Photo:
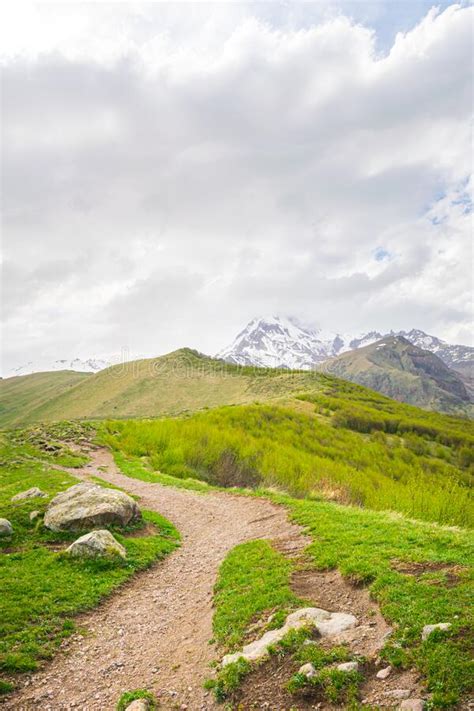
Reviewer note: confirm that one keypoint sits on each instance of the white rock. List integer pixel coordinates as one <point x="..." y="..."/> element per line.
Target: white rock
<point x="428" y="629"/>
<point x="138" y="705"/>
<point x="384" y="673"/>
<point x="412" y="705"/>
<point x="6" y="529"/>
<point x="327" y="623"/>
<point x="34" y="515"/>
<point x="308" y="670"/>
<point x="338" y="622"/>
<point x="32" y="493"/>
<point x="348" y="666"/>
<point x="96" y="544"/>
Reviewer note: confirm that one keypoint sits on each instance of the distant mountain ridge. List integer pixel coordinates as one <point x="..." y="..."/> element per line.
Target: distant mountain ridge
<point x="396" y="367"/>
<point x="281" y="342"/>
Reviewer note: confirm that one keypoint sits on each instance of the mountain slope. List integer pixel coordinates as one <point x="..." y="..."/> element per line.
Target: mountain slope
<point x="22" y="395"/>
<point x="397" y="368"/>
<point x="180" y="381"/>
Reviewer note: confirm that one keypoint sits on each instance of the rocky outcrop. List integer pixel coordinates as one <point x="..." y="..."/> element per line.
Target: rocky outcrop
<point x="96" y="544"/>
<point x="328" y="624"/>
<point x="33" y="493"/>
<point x="86" y="505"/>
<point x="6" y="529"/>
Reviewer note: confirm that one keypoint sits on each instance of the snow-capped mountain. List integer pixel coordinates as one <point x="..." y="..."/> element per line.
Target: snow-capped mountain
<point x="282" y="342"/>
<point x="87" y="365"/>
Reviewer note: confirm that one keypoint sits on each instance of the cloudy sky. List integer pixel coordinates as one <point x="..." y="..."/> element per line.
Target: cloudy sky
<point x="170" y="171"/>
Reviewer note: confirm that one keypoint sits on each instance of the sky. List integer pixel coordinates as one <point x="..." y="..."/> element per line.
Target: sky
<point x="170" y="171"/>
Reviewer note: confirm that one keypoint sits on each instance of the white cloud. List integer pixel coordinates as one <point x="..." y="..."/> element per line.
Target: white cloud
<point x="163" y="184"/>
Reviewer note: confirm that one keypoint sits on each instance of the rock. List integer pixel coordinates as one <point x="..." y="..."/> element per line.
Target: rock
<point x="87" y="505"/>
<point x="327" y="624"/>
<point x="307" y="670"/>
<point x="428" y="629"/>
<point x="384" y="673"/>
<point x="412" y="705"/>
<point x="138" y="705"/>
<point x="398" y="693"/>
<point x="339" y="622"/>
<point x="34" y="515"/>
<point x="32" y="493"/>
<point x="348" y="666"/>
<point x="6" y="529"/>
<point x="96" y="544"/>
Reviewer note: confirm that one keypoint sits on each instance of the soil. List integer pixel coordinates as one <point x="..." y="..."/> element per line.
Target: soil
<point x="155" y="631"/>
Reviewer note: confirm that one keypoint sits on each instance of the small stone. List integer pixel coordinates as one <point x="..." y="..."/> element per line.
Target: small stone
<point x="398" y="693"/>
<point x="307" y="670"/>
<point x="34" y="515"/>
<point x="384" y="673"/>
<point x="6" y="529"/>
<point x="428" y="629"/>
<point x="348" y="666"/>
<point x="412" y="705"/>
<point x="32" y="493"/>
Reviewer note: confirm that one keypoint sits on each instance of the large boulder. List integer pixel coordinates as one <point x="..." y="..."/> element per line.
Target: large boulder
<point x="87" y="505"/>
<point x="96" y="544"/>
<point x="6" y="529"/>
<point x="33" y="493"/>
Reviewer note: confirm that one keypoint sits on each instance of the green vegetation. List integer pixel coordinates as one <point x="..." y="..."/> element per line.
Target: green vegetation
<point x="42" y="590"/>
<point x="337" y="686"/>
<point x="241" y="596"/>
<point x="345" y="443"/>
<point x="129" y="696"/>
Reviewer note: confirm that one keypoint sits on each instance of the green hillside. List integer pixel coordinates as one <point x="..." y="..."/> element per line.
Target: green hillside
<point x="23" y="395"/>
<point x="182" y="380"/>
<point x="397" y="368"/>
<point x="343" y="443"/>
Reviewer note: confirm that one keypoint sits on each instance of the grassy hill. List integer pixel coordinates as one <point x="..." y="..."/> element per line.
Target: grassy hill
<point x="23" y="395"/>
<point x="182" y="380"/>
<point x="343" y="443"/>
<point x="397" y="368"/>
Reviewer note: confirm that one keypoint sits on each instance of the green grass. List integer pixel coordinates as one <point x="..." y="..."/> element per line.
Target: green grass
<point x="336" y="686"/>
<point x="241" y="596"/>
<point x="352" y="446"/>
<point x="42" y="590"/>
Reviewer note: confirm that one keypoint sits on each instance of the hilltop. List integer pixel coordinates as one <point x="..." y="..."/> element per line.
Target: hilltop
<point x="168" y="385"/>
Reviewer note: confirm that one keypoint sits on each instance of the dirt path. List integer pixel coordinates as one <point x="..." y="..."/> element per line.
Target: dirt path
<point x="155" y="631"/>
